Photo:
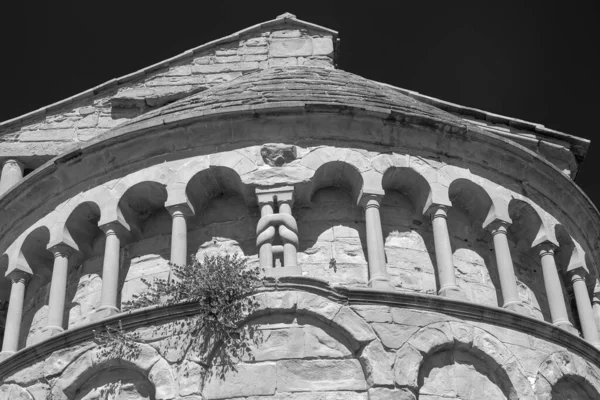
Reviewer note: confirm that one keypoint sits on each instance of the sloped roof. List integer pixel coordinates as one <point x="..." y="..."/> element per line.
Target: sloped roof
<point x="301" y="85"/>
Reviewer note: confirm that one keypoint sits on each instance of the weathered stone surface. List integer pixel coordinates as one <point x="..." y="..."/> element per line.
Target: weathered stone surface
<point x="393" y="336"/>
<point x="250" y="380"/>
<point x="189" y="378"/>
<point x="390" y="394"/>
<point x="290" y="47"/>
<point x="354" y="325"/>
<point x="162" y="377"/>
<point x="378" y="365"/>
<point x="14" y="392"/>
<point x="373" y="313"/>
<point x="312" y="304"/>
<point x="315" y="375"/>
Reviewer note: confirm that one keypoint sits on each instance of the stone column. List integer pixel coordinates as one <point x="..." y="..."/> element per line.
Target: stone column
<point x="115" y="232"/>
<point x="378" y="277"/>
<point x="12" y="173"/>
<point x="554" y="291"/>
<point x="265" y="251"/>
<point x="506" y="271"/>
<point x="179" y="213"/>
<point x="443" y="252"/>
<point x="596" y="304"/>
<point x="58" y="289"/>
<point x="290" y="258"/>
<point x="12" y="329"/>
<point x="584" y="306"/>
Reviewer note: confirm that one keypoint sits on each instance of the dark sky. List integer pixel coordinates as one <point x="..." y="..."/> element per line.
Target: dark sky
<point x="526" y="60"/>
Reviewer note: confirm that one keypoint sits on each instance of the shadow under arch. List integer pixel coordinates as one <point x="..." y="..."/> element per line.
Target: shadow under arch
<point x="350" y="341"/>
<point x="40" y="260"/>
<point x="445" y="343"/>
<point x="407" y="232"/>
<point x="332" y="230"/>
<point x="92" y="369"/>
<point x="563" y="376"/>
<point x="141" y="205"/>
<point x="472" y="246"/>
<point x="522" y="233"/>
<point x="224" y="218"/>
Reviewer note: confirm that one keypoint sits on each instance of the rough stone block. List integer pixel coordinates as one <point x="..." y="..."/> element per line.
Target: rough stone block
<point x="309" y="375"/>
<point x="163" y="380"/>
<point x="189" y="377"/>
<point x="320" y="344"/>
<point x="393" y="336"/>
<point x="309" y="303"/>
<point x="378" y="365"/>
<point x="250" y="380"/>
<point x="322" y="46"/>
<point x="58" y="135"/>
<point x="391" y="394"/>
<point x="354" y="325"/>
<point x="290" y="48"/>
<point x="372" y="313"/>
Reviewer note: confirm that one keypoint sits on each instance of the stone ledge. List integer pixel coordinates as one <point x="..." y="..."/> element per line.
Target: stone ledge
<point x="343" y="295"/>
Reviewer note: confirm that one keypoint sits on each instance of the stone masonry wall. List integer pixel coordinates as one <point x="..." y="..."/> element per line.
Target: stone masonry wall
<point x="311" y="348"/>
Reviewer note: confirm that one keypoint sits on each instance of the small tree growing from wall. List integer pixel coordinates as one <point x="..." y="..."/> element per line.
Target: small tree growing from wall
<point x="221" y="286"/>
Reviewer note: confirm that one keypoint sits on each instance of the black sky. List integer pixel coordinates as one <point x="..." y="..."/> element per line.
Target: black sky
<point x="534" y="61"/>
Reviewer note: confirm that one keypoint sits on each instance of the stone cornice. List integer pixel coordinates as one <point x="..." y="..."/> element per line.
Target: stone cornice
<point x="344" y="295"/>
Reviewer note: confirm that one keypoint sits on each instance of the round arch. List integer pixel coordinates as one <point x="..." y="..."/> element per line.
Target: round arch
<point x="562" y="368"/>
<point x="454" y="335"/>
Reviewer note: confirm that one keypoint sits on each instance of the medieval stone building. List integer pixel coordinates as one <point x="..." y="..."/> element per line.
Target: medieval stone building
<point x="417" y="249"/>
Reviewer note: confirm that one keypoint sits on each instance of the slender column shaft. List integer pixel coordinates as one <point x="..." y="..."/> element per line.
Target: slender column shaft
<point x="378" y="277"/>
<point x="289" y="250"/>
<point x="596" y="305"/>
<point x="265" y="253"/>
<point x="443" y="251"/>
<point x="554" y="291"/>
<point x="58" y="288"/>
<point x="178" y="238"/>
<point x="110" y="271"/>
<point x="584" y="308"/>
<point x="12" y="173"/>
<point x="14" y="316"/>
<point x="506" y="271"/>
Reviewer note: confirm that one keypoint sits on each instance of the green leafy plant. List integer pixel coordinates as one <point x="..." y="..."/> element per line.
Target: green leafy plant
<point x="221" y="285"/>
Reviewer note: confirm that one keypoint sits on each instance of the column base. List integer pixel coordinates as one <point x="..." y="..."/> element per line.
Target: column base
<point x="5" y="354"/>
<point x="105" y="312"/>
<point x="293" y="270"/>
<point x="567" y="327"/>
<point x="380" y="282"/>
<point x="517" y="307"/>
<point x="49" y="331"/>
<point x="452" y="292"/>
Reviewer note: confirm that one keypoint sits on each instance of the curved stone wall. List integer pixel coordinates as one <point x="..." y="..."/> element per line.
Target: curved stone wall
<point x="461" y="262"/>
<point x="313" y="343"/>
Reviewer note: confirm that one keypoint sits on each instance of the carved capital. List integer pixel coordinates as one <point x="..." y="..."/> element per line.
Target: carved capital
<point x="546" y="248"/>
<point x="116" y="228"/>
<point x="283" y="194"/>
<point x="180" y="210"/>
<point x="18" y="276"/>
<point x="498" y="226"/>
<point x="578" y="274"/>
<point x="62" y="250"/>
<point x="437" y="211"/>
<point x="371" y="198"/>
